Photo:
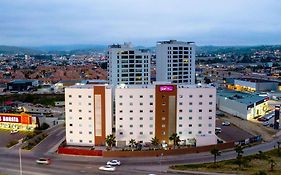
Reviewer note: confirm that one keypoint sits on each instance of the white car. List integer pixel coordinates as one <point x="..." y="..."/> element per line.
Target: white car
<point x="114" y="163"/>
<point x="265" y="123"/>
<point x="107" y="168"/>
<point x="226" y="123"/>
<point x="45" y="161"/>
<point x="14" y="131"/>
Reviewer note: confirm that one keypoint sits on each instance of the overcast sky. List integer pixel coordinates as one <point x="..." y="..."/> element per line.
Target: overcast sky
<point x="143" y="22"/>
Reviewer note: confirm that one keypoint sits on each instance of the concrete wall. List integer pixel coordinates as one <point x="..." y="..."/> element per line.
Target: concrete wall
<point x="232" y="107"/>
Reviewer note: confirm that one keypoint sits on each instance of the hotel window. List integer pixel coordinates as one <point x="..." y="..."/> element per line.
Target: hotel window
<point x="70" y="96"/>
<point x="210" y="96"/>
<point x="141" y="111"/>
<point x="70" y="124"/>
<point x="210" y="103"/>
<point x="79" y="96"/>
<point x="80" y="125"/>
<point x="89" y="104"/>
<point x="120" y="111"/>
<point x="181" y="96"/>
<point x="163" y="133"/>
<point x="200" y="103"/>
<point x="180" y="132"/>
<point x="120" y="118"/>
<point x="180" y="103"/>
<point x="180" y="125"/>
<point x="190" y="118"/>
<point x="200" y="110"/>
<point x="131" y="104"/>
<point x="163" y="125"/>
<point x="89" y="111"/>
<point x="180" y="118"/>
<point x="199" y="125"/>
<point x="141" y="133"/>
<point x="141" y="96"/>
<point x="190" y="96"/>
<point x="90" y="141"/>
<point x="131" y="118"/>
<point x="190" y="110"/>
<point x="163" y="118"/>
<point x="70" y="132"/>
<point x="180" y="110"/>
<point x="210" y="117"/>
<point x="150" y="111"/>
<point x="90" y="132"/>
<point x="141" y="118"/>
<point x="70" y="110"/>
<point x="80" y="141"/>
<point x="70" y="103"/>
<point x="90" y="118"/>
<point x="141" y="104"/>
<point x="190" y="125"/>
<point x="150" y="104"/>
<point x="189" y="132"/>
<point x="210" y="125"/>
<point x="71" y="140"/>
<point x="80" y="110"/>
<point x="80" y="132"/>
<point x="120" y="133"/>
<point x="200" y="96"/>
<point x="150" y="96"/>
<point x="150" y="133"/>
<point x="120" y="104"/>
<point x="210" y="110"/>
<point x="150" y="118"/>
<point x="89" y="96"/>
<point x="141" y="126"/>
<point x="199" y="132"/>
<point x="131" y="126"/>
<point x="70" y="117"/>
<point x="131" y="111"/>
<point x="80" y="118"/>
<point x="151" y="126"/>
<point x="200" y="117"/>
<point x="131" y="133"/>
<point x="131" y="96"/>
<point x="190" y="103"/>
<point x="209" y="132"/>
<point x="120" y="96"/>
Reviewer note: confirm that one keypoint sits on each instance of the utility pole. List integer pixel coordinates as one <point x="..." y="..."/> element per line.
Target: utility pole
<point x="161" y="156"/>
<point x="20" y="157"/>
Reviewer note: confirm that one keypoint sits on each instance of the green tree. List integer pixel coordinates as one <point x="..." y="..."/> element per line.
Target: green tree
<point x="239" y="150"/>
<point x="155" y="142"/>
<point x="110" y="140"/>
<point x="278" y="147"/>
<point x="132" y="143"/>
<point x="215" y="152"/>
<point x="175" y="138"/>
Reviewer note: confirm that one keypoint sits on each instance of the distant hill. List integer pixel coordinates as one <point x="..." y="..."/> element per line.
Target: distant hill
<point x="18" y="50"/>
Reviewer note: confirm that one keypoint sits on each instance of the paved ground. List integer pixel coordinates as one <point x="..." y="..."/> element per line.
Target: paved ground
<point x="6" y="137"/>
<point x="228" y="135"/>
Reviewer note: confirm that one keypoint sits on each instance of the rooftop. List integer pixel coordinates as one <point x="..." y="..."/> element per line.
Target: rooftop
<point x="255" y="80"/>
<point x="241" y="97"/>
<point x="174" y="42"/>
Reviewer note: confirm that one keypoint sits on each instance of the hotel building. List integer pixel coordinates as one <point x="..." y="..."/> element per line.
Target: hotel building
<point x="141" y="112"/>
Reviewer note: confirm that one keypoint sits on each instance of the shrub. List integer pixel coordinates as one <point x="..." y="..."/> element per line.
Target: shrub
<point x="12" y="143"/>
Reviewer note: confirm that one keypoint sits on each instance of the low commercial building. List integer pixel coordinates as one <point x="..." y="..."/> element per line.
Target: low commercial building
<point x="22" y="121"/>
<point x="244" y="105"/>
<point x="140" y="112"/>
<point x="22" y="85"/>
<point x="251" y="85"/>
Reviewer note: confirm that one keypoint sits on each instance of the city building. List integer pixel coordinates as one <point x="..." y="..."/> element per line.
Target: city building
<point x="175" y="62"/>
<point x="140" y="112"/>
<point x="127" y="65"/>
<point x="244" y="105"/>
<point x="88" y="114"/>
<point x="251" y="85"/>
<point x="22" y="121"/>
<point x="22" y="85"/>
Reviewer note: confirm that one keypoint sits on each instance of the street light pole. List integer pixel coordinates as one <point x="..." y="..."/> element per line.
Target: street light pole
<point x="161" y="156"/>
<point x="20" y="157"/>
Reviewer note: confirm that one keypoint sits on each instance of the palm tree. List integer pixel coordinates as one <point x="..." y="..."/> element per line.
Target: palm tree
<point x="216" y="152"/>
<point x="110" y="140"/>
<point x="239" y="151"/>
<point x="175" y="138"/>
<point x="132" y="143"/>
<point x="155" y="142"/>
<point x="272" y="164"/>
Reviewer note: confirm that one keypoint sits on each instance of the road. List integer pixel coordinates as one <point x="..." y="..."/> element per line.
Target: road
<point x="73" y="165"/>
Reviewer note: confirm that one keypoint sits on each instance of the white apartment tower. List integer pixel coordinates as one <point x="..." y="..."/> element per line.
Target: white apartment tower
<point x="175" y="62"/>
<point x="127" y="65"/>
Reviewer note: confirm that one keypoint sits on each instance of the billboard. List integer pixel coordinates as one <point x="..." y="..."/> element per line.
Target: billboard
<point x="10" y="118"/>
<point x="166" y="88"/>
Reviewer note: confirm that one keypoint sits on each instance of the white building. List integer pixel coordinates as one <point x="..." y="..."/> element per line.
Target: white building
<point x="175" y="62"/>
<point x="141" y="113"/>
<point x="127" y="65"/>
<point x="159" y="110"/>
<point x="88" y="114"/>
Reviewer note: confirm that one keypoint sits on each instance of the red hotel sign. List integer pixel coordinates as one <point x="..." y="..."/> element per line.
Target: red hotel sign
<point x="166" y="88"/>
<point x="10" y="119"/>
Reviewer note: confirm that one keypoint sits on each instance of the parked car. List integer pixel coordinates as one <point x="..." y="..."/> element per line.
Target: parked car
<point x="217" y="130"/>
<point x="107" y="168"/>
<point x="266" y="123"/>
<point x="45" y="161"/>
<point x="114" y="163"/>
<point x="226" y="123"/>
<point x="14" y="131"/>
<point x="262" y="119"/>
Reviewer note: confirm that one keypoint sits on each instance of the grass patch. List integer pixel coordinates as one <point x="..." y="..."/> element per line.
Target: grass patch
<point x="12" y="143"/>
<point x="259" y="164"/>
<point x="33" y="142"/>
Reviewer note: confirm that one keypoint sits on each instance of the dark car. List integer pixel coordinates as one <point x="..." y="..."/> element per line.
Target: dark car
<point x="262" y="119"/>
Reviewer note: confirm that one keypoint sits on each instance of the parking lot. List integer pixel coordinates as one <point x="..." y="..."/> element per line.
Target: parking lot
<point x="232" y="132"/>
<point x="6" y="137"/>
